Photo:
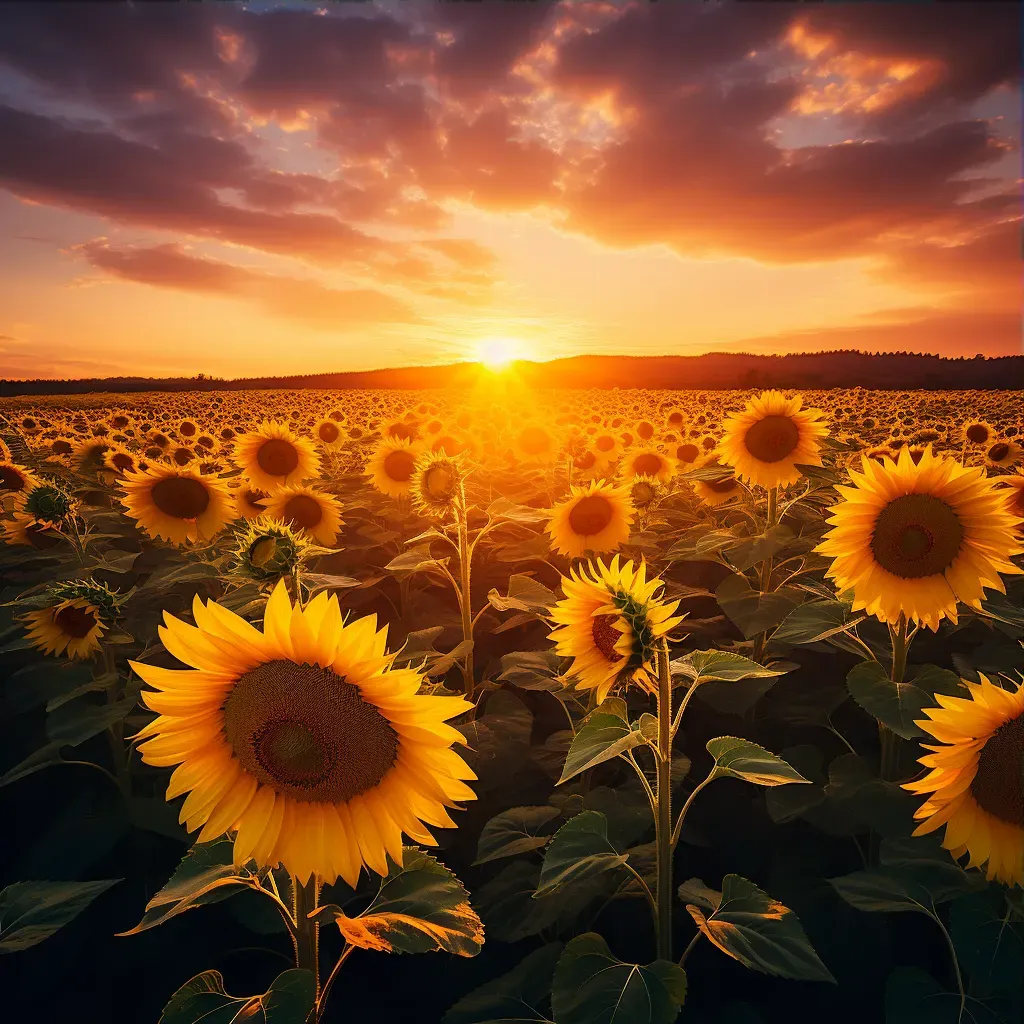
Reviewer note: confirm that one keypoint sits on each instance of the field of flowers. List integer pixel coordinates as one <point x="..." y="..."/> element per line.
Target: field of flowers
<point x="625" y="706"/>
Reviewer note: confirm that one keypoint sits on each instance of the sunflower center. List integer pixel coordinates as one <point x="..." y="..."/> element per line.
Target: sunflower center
<point x="585" y="461"/>
<point x="604" y="443"/>
<point x="687" y="452"/>
<point x="61" y="447"/>
<point x="772" y="439"/>
<point x="590" y="515"/>
<point x="180" y="497"/>
<point x="188" y="429"/>
<point x="302" y="510"/>
<point x="916" y="535"/>
<point x="399" y="466"/>
<point x="998" y="786"/>
<point x="74" y="621"/>
<point x="977" y="433"/>
<point x="308" y="733"/>
<point x="999" y="451"/>
<point x="122" y="460"/>
<point x="647" y="464"/>
<point x="183" y="456"/>
<point x="439" y="482"/>
<point x="11" y="479"/>
<point x="328" y="432"/>
<point x="277" y="457"/>
<point x="606" y="636"/>
<point x="533" y="441"/>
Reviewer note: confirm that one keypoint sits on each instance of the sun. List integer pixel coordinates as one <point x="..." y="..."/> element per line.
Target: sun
<point x="496" y="353"/>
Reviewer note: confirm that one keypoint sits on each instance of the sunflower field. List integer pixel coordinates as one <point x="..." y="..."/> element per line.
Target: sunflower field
<point x="620" y="707"/>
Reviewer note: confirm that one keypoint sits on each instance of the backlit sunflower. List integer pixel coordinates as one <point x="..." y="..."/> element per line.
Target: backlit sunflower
<point x="1012" y="490"/>
<point x="686" y="453"/>
<point x="272" y="456"/>
<point x="1003" y="454"/>
<point x="15" y="478"/>
<point x="435" y="486"/>
<point x="610" y="624"/>
<point x="595" y="517"/>
<point x="302" y="738"/>
<point x="178" y="505"/>
<point x="89" y="454"/>
<point x="391" y="466"/>
<point x="46" y="502"/>
<point x="715" y="492"/>
<point x="648" y="462"/>
<point x="328" y="434"/>
<point x="119" y="460"/>
<point x="978" y="433"/>
<point x="976" y="783"/>
<point x="772" y="436"/>
<point x="918" y="538"/>
<point x="314" y="512"/>
<point x="534" y="443"/>
<point x="73" y="625"/>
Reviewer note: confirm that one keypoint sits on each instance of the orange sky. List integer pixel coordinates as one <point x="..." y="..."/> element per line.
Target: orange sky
<point x="261" y="189"/>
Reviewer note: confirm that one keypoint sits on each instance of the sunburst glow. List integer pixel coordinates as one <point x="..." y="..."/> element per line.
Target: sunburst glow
<point x="496" y="353"/>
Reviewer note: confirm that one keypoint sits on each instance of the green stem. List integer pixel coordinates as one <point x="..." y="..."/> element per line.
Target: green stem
<point x="686" y="952"/>
<point x="306" y="898"/>
<point x="321" y="1002"/>
<point x="663" y="821"/>
<point x="466" y="601"/>
<point x="765" y="579"/>
<point x="888" y="740"/>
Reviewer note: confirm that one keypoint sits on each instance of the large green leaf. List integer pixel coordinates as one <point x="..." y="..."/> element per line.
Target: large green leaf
<point x="896" y="705"/>
<point x="421" y="907"/>
<point x="517" y="830"/>
<point x="724" y="666"/>
<point x="751" y="551"/>
<point x="814" y="621"/>
<point x="205" y="875"/>
<point x="913" y="996"/>
<point x="43" y="681"/>
<point x="759" y="932"/>
<point x="591" y="986"/>
<point x="578" y="850"/>
<point x="602" y="738"/>
<point x="989" y="939"/>
<point x="516" y="997"/>
<point x="79" y="720"/>
<point x="743" y="759"/>
<point x="525" y="594"/>
<point x="33" y="911"/>
<point x="203" y="1000"/>
<point x="752" y="611"/>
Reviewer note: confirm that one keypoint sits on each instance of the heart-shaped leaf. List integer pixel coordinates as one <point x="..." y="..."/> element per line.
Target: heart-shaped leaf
<point x="33" y="911"/>
<point x="578" y="850"/>
<point x="743" y="759"/>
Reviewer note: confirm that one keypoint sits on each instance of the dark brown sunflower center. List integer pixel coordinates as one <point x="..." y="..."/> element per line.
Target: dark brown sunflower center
<point x="399" y="466"/>
<point x="75" y="622"/>
<point x="61" y="447"/>
<point x="999" y="451"/>
<point x="188" y="429"/>
<point x="585" y="461"/>
<point x="645" y="430"/>
<point x="11" y="479"/>
<point x="122" y="460"/>
<point x="772" y="439"/>
<point x="402" y="430"/>
<point x="533" y="441"/>
<point x="606" y="636"/>
<point x="180" y="497"/>
<point x="328" y="432"/>
<point x="277" y="457"/>
<point x="604" y="443"/>
<point x="302" y="510"/>
<point x="439" y="482"/>
<point x="977" y="433"/>
<point x="916" y="535"/>
<point x="183" y="456"/>
<point x="647" y="464"/>
<point x="590" y="515"/>
<point x="998" y="786"/>
<point x="687" y="452"/>
<point x="308" y="733"/>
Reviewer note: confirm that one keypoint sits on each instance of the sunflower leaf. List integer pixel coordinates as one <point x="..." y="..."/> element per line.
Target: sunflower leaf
<point x="895" y="705"/>
<point x="580" y="849"/>
<point x="203" y="998"/>
<point x="743" y="759"/>
<point x="417" y="559"/>
<point x="525" y="594"/>
<point x="814" y="621"/>
<point x="602" y="738"/>
<point x="32" y="911"/>
<point x="722" y="666"/>
<point x="758" y="931"/>
<point x="517" y="830"/>
<point x="420" y="907"/>
<point x="503" y="510"/>
<point x="752" y="611"/>
<point x="592" y="986"/>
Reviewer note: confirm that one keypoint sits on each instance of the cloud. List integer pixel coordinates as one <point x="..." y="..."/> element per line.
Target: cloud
<point x="306" y="301"/>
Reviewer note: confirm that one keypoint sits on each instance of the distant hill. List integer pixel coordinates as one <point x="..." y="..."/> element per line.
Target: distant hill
<point x="716" y="371"/>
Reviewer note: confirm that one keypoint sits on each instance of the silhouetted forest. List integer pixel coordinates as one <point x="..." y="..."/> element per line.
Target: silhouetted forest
<point x="837" y="369"/>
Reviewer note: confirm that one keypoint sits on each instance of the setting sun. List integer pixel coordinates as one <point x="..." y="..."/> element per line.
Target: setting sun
<point x="497" y="353"/>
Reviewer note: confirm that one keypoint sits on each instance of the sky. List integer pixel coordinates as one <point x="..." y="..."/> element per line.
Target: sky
<point x="279" y="188"/>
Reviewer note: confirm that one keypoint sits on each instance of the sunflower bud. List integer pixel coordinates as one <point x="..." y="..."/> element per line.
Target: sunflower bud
<point x="436" y="482"/>
<point x="267" y="551"/>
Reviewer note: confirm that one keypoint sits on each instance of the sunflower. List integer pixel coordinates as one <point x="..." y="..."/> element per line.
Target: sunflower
<point x="120" y="461"/>
<point x="46" y="502"/>
<point x="250" y="502"/>
<point x="1012" y="489"/>
<point x="74" y="625"/>
<point x="715" y="492"/>
<point x="593" y="518"/>
<point x="328" y="434"/>
<point x="89" y="454"/>
<point x="435" y="485"/>
<point x="648" y="462"/>
<point x="273" y="456"/>
<point x="609" y="623"/>
<point x="267" y="551"/>
<point x="587" y="465"/>
<point x="772" y="436"/>
<point x="686" y="453"/>
<point x="59" y="449"/>
<point x="316" y="513"/>
<point x="178" y="505"/>
<point x="918" y="538"/>
<point x="302" y="739"/>
<point x="644" y="491"/>
<point x="16" y="478"/>
<point x="607" y="447"/>
<point x="978" y="433"/>
<point x="976" y="783"/>
<point x="534" y="443"/>
<point x="391" y="466"/>
<point x="1003" y="454"/>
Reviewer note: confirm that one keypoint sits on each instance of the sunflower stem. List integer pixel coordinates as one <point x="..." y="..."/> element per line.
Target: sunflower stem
<point x="465" y="599"/>
<point x="306" y="898"/>
<point x="765" y="578"/>
<point x="663" y="820"/>
<point x="888" y="740"/>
